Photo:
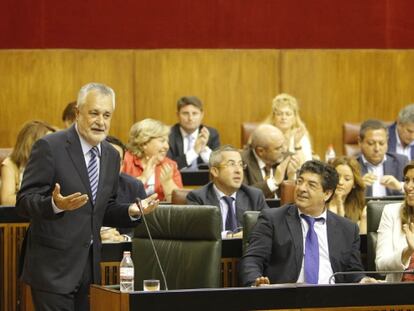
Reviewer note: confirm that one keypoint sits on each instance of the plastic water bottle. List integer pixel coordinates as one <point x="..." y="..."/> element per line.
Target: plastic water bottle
<point x="330" y="154"/>
<point x="126" y="273"/>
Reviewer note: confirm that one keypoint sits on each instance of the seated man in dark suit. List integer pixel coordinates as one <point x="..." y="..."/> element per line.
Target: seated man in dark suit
<point x="401" y="133"/>
<point x="227" y="191"/>
<point x="267" y="162"/>
<point x="303" y="242"/>
<point x="382" y="171"/>
<point x="129" y="188"/>
<point x="190" y="141"/>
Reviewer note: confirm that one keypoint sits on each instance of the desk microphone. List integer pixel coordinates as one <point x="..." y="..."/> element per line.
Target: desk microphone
<point x="141" y="209"/>
<point x="411" y="271"/>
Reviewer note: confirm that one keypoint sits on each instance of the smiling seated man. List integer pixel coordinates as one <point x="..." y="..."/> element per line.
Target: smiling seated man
<point x="304" y="242"/>
<point x="227" y="191"/>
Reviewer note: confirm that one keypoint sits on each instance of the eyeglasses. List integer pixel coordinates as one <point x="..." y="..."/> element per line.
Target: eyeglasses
<point x="233" y="165"/>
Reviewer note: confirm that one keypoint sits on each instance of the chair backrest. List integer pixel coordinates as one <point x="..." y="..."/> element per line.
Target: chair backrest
<point x="374" y="212"/>
<point x="188" y="241"/>
<point x="179" y="196"/>
<point x="287" y="192"/>
<point x="249" y="220"/>
<point x="350" y="133"/>
<point x="247" y="129"/>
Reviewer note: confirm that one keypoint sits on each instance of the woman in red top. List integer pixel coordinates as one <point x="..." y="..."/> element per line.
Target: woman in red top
<point x="146" y="159"/>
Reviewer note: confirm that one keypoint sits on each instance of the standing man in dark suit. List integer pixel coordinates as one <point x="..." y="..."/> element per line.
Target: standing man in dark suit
<point x="227" y="191"/>
<point x="381" y="171"/>
<point x="303" y="242"/>
<point x="267" y="163"/>
<point x="401" y="133"/>
<point x="191" y="142"/>
<point x="69" y="191"/>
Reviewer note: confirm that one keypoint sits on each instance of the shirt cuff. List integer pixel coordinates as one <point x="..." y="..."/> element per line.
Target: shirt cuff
<point x="190" y="156"/>
<point x="205" y="154"/>
<point x="56" y="209"/>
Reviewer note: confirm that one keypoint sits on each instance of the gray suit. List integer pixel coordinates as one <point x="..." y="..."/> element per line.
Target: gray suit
<point x="394" y="165"/>
<point x="247" y="199"/>
<point x="276" y="247"/>
<point x="58" y="245"/>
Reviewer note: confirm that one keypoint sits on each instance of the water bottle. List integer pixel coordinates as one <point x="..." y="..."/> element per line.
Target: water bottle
<point x="126" y="273"/>
<point x="330" y="154"/>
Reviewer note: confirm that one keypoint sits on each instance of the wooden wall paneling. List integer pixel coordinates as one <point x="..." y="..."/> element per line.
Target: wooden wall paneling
<point x="37" y="84"/>
<point x="334" y="86"/>
<point x="234" y="85"/>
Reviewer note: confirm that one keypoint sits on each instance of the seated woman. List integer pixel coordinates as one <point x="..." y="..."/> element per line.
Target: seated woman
<point x="395" y="243"/>
<point x="147" y="160"/>
<point x="349" y="196"/>
<point x="285" y="116"/>
<point x="13" y="166"/>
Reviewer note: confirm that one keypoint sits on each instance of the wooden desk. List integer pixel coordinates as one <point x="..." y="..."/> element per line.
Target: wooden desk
<point x="290" y="296"/>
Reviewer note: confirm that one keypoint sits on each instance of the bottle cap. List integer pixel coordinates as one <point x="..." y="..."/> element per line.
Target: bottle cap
<point x="127" y="253"/>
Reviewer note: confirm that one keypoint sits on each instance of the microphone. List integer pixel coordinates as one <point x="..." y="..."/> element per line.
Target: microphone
<point x="411" y="271"/>
<point x="141" y="209"/>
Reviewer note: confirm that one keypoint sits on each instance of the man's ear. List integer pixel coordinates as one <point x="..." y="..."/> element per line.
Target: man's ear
<point x="259" y="151"/>
<point x="77" y="112"/>
<point x="214" y="171"/>
<point x="327" y="195"/>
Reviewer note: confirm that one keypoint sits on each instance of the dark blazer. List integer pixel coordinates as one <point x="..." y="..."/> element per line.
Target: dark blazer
<point x="129" y="188"/>
<point x="392" y="140"/>
<point x="58" y="245"/>
<point x="276" y="247"/>
<point x="252" y="173"/>
<point x="247" y="199"/>
<point x="394" y="165"/>
<point x="176" y="151"/>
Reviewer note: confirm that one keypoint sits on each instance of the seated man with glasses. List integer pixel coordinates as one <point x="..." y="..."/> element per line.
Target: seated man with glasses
<point x="227" y="191"/>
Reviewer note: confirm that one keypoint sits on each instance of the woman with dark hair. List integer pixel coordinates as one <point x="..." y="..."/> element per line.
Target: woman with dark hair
<point x="13" y="166"/>
<point x="349" y="197"/>
<point x="395" y="243"/>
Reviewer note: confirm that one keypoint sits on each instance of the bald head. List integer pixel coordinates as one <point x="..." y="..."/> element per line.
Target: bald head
<point x="269" y="143"/>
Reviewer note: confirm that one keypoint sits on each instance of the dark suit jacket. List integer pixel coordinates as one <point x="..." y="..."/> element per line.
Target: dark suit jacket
<point x="247" y="199"/>
<point x="252" y="173"/>
<point x="58" y="245"/>
<point x="392" y="140"/>
<point x="276" y="247"/>
<point x="176" y="151"/>
<point x="394" y="165"/>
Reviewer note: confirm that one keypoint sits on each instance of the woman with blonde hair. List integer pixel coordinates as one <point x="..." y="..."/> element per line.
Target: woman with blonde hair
<point x="349" y="196"/>
<point x="146" y="159"/>
<point x="285" y="116"/>
<point x="395" y="242"/>
<point x="12" y="167"/>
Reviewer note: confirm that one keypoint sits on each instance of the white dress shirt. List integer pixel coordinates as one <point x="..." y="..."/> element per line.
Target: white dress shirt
<point x="378" y="190"/>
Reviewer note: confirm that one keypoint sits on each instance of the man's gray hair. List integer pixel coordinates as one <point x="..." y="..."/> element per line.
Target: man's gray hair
<point x="93" y="86"/>
<point x="406" y="114"/>
<point x="216" y="156"/>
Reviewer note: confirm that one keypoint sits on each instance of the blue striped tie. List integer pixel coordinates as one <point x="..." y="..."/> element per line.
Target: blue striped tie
<point x="93" y="171"/>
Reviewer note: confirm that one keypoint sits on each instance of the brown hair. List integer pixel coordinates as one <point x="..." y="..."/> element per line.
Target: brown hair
<point x="355" y="200"/>
<point x="407" y="211"/>
<point x="189" y="100"/>
<point x="29" y="133"/>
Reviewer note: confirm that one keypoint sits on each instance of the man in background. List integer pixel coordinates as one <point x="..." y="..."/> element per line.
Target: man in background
<point x="191" y="142"/>
<point x="401" y="133"/>
<point x="227" y="191"/>
<point x="267" y="162"/>
<point x="381" y="171"/>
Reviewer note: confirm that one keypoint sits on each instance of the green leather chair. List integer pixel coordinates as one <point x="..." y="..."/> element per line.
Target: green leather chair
<point x="374" y="212"/>
<point x="188" y="241"/>
<point x="249" y="220"/>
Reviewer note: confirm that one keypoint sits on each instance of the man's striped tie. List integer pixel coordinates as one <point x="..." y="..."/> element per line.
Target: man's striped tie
<point x="93" y="172"/>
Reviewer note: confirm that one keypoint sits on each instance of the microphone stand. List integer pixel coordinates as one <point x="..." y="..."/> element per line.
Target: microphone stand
<point x="141" y="209"/>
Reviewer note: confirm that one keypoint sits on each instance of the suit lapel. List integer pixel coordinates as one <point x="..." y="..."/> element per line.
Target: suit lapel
<point x="104" y="163"/>
<point x="333" y="240"/>
<point x="295" y="229"/>
<point x="255" y="169"/>
<point x="242" y="205"/>
<point x="75" y="152"/>
<point x="211" y="196"/>
<point x="179" y="139"/>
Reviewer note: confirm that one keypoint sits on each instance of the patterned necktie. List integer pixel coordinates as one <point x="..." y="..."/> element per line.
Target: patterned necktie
<point x="93" y="172"/>
<point x="311" y="252"/>
<point x="231" y="221"/>
<point x="407" y="277"/>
